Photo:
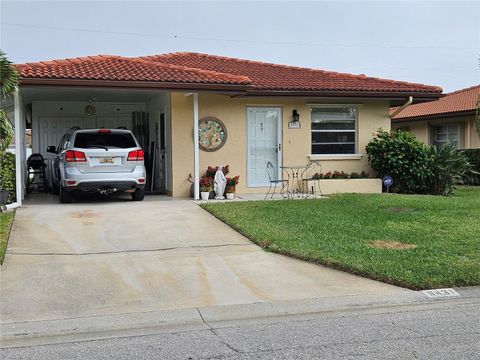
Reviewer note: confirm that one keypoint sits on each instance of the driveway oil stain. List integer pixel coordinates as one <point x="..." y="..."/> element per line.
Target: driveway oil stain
<point x="85" y="214"/>
<point x="205" y="290"/>
<point x="245" y="281"/>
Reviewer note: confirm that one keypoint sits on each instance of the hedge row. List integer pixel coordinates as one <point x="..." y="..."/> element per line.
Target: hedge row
<point x="7" y="175"/>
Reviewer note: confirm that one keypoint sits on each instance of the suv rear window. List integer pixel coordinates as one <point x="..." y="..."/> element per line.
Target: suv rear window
<point x="109" y="140"/>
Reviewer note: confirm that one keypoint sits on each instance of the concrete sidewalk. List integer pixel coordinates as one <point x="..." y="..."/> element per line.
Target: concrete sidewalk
<point x="102" y="258"/>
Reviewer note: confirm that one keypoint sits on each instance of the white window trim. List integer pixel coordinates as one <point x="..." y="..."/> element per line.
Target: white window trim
<point x="334" y="156"/>
<point x="433" y="133"/>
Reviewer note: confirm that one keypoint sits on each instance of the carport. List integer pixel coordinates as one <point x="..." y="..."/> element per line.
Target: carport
<point x="52" y="111"/>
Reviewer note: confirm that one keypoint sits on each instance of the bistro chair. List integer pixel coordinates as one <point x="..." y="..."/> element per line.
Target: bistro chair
<point x="311" y="186"/>
<point x="274" y="181"/>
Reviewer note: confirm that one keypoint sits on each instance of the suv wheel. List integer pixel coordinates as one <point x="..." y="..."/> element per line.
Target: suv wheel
<point x="138" y="195"/>
<point x="65" y="196"/>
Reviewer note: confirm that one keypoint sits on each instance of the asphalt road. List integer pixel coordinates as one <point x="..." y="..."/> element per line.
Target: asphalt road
<point x="436" y="330"/>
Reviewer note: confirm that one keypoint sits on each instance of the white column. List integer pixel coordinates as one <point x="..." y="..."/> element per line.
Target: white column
<point x="19" y="165"/>
<point x="196" y="155"/>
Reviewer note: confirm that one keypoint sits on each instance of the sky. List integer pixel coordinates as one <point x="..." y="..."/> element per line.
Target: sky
<point x="435" y="43"/>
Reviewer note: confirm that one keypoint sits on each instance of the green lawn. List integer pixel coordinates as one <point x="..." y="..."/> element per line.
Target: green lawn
<point x="5" y="223"/>
<point x="340" y="232"/>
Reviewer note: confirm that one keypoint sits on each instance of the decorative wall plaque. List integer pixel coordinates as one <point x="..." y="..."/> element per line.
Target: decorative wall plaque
<point x="212" y="133"/>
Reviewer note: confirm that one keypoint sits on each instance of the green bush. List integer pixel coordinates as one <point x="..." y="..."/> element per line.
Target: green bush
<point x="415" y="167"/>
<point x="448" y="167"/>
<point x="7" y="175"/>
<point x="473" y="178"/>
<point x="400" y="155"/>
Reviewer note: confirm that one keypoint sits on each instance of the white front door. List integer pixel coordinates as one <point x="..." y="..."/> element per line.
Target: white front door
<point x="264" y="143"/>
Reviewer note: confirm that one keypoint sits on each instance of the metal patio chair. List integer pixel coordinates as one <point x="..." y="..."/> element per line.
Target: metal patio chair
<point x="311" y="181"/>
<point x="274" y="181"/>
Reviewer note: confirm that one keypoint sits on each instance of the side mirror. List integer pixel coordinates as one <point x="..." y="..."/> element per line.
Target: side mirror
<point x="51" y="149"/>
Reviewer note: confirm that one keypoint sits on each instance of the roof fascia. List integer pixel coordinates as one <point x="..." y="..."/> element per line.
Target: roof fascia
<point x="434" y="117"/>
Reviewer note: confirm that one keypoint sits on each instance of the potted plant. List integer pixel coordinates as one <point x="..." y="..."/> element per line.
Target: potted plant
<point x="206" y="185"/>
<point x="9" y="83"/>
<point x="230" y="188"/>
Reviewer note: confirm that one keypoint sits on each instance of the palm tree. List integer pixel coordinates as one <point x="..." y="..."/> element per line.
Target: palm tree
<point x="9" y="83"/>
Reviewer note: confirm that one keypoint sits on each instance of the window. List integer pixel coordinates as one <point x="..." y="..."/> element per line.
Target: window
<point x="110" y="140"/>
<point x="334" y="130"/>
<point x="445" y="134"/>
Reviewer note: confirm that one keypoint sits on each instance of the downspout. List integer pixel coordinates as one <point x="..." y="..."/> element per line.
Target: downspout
<point x="409" y="101"/>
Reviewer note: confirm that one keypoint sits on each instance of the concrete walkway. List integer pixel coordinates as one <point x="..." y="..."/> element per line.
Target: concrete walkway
<point x="102" y="258"/>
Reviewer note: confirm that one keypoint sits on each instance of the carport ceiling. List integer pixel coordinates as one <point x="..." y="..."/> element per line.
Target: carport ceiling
<point x="42" y="93"/>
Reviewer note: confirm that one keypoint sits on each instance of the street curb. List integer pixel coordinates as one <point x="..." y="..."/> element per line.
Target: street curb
<point x="147" y="323"/>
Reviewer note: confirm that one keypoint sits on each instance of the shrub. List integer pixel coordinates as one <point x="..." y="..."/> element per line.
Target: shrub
<point x="400" y="155"/>
<point x="473" y="178"/>
<point x="448" y="167"/>
<point x="7" y="175"/>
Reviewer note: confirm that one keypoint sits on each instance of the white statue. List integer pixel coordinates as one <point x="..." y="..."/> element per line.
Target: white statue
<point x="219" y="183"/>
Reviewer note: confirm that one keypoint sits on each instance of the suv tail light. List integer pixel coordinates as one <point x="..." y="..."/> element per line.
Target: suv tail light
<point x="75" y="156"/>
<point x="104" y="131"/>
<point x="136" y="155"/>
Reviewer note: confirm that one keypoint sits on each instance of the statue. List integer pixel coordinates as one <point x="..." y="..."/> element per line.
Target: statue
<point x="219" y="183"/>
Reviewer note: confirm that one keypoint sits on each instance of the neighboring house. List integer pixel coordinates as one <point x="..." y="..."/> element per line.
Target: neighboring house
<point x="248" y="112"/>
<point x="449" y="120"/>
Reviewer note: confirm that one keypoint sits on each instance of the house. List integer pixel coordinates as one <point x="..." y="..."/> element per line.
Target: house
<point x="451" y="119"/>
<point x="246" y="113"/>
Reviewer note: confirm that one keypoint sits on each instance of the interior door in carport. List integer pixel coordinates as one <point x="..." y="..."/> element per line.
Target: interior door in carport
<point x="263" y="143"/>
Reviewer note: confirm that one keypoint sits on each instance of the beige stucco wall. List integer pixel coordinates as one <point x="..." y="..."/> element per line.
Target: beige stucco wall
<point x="469" y="138"/>
<point x="232" y="111"/>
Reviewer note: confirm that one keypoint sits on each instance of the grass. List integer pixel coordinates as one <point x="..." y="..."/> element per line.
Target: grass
<point x="348" y="232"/>
<point x="6" y="220"/>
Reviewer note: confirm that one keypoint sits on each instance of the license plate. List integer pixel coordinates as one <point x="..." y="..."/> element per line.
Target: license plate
<point x="106" y="160"/>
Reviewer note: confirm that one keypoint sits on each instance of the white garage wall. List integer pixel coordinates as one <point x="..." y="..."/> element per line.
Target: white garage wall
<point x="51" y="119"/>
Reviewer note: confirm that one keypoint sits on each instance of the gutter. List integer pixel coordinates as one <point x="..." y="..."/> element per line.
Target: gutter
<point x="409" y="101"/>
<point x="236" y="90"/>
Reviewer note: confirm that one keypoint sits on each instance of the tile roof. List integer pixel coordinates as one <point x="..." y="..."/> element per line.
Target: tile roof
<point x="454" y="102"/>
<point x="195" y="68"/>
<point x="267" y="76"/>
<point x="117" y="68"/>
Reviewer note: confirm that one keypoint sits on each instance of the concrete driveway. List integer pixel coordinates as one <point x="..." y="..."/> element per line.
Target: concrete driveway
<point x="116" y="257"/>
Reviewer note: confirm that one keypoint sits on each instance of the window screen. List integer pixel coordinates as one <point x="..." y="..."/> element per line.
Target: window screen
<point x="334" y="130"/>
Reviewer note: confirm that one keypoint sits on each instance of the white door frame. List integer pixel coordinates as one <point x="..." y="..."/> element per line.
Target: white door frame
<point x="279" y="139"/>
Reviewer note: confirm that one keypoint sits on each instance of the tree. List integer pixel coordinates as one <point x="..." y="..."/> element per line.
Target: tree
<point x="9" y="82"/>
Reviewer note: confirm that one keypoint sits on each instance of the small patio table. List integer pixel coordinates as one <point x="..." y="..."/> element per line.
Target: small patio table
<point x="296" y="174"/>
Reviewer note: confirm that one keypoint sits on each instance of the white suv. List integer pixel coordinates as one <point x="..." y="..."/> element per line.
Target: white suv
<point x="98" y="161"/>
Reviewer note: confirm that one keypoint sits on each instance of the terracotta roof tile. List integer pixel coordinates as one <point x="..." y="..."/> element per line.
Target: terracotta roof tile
<point x="118" y="68"/>
<point x="454" y="102"/>
<point x="187" y="67"/>
<point x="267" y="76"/>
